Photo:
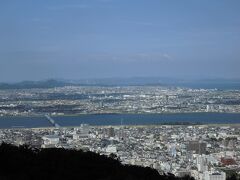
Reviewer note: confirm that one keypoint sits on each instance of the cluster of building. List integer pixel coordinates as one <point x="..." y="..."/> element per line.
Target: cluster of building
<point x="132" y="99"/>
<point x="204" y="152"/>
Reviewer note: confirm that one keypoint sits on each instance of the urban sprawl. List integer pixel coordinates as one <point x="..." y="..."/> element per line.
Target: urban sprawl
<point x="205" y="152"/>
<point x="132" y="99"/>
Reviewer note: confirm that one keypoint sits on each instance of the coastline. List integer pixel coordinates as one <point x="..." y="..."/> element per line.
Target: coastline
<point x="134" y="126"/>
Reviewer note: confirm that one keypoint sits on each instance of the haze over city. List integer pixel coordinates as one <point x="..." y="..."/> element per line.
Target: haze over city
<point x="113" y="38"/>
<point x="120" y="89"/>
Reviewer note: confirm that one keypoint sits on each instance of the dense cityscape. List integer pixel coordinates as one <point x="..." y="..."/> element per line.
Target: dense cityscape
<point x="203" y="152"/>
<point x="72" y="100"/>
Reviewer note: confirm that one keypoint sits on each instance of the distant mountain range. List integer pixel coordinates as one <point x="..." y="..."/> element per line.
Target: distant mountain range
<point x="136" y="81"/>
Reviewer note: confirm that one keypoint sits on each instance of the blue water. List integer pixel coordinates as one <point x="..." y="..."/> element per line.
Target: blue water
<point x="116" y="119"/>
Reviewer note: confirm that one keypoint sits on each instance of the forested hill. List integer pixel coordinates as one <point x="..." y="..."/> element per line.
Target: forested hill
<point x="25" y="163"/>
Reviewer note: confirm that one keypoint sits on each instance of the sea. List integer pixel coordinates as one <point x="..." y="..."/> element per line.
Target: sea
<point x="121" y="119"/>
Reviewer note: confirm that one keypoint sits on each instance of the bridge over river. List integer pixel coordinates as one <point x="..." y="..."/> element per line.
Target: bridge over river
<point x="51" y="120"/>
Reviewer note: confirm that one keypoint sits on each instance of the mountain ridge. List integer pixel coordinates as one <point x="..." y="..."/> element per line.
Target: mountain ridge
<point x="135" y="81"/>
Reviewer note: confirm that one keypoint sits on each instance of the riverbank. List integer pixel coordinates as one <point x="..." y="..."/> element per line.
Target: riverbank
<point x="123" y="119"/>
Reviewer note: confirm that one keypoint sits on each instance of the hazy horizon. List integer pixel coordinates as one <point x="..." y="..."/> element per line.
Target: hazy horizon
<point x="134" y="80"/>
<point x="119" y="39"/>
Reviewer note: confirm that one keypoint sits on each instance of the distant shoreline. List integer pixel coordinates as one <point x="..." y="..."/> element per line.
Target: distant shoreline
<point x="74" y="115"/>
<point x="137" y="126"/>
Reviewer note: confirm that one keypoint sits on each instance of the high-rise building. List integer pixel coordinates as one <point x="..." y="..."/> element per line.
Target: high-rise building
<point x="197" y="147"/>
<point x="110" y="132"/>
<point x="84" y="130"/>
<point x="202" y="163"/>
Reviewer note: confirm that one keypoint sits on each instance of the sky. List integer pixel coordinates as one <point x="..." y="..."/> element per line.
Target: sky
<point x="80" y="39"/>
